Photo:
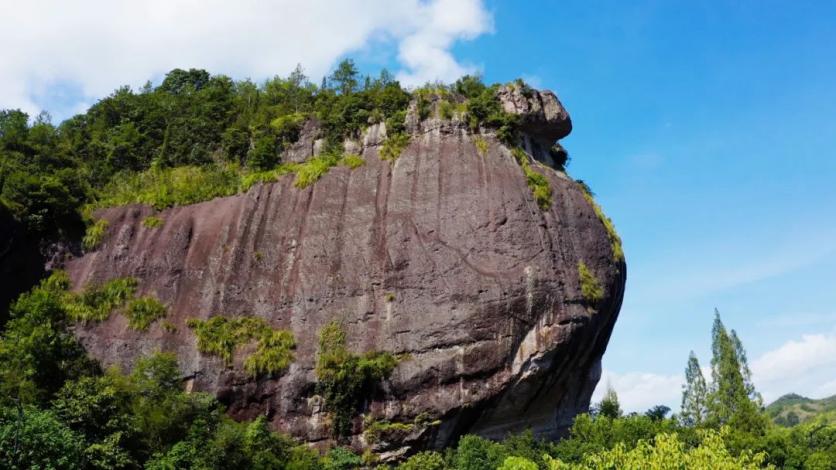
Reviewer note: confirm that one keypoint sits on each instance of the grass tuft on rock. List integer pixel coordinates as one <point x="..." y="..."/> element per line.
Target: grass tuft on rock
<point x="393" y="146"/>
<point x="144" y="311"/>
<point x="97" y="302"/>
<point x="152" y="221"/>
<point x="615" y="240"/>
<point x="591" y="289"/>
<point x="481" y="145"/>
<point x="95" y="234"/>
<point x="221" y="336"/>
<point x="537" y="182"/>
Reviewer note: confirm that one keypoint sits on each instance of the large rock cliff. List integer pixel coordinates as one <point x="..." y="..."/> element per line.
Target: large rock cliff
<point x="442" y="255"/>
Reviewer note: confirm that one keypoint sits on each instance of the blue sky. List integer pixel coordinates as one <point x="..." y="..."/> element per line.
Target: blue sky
<point x="706" y="129"/>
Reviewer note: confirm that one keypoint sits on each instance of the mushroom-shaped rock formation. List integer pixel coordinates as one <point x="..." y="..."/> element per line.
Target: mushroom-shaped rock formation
<point x="499" y="309"/>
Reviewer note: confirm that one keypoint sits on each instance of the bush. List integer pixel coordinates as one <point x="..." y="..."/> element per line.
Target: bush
<point x="97" y="302"/>
<point x="32" y="438"/>
<point x="95" y="234"/>
<point x="143" y="311"/>
<point x="353" y="161"/>
<point x="538" y="183"/>
<point x="345" y="379"/>
<point x="517" y="463"/>
<point x="393" y="146"/>
<point x="477" y="453"/>
<point x="221" y="336"/>
<point x="309" y="172"/>
<point x="591" y="289"/>
<point x="273" y="355"/>
<point x="37" y="351"/>
<point x="264" y="154"/>
<point x="424" y="461"/>
<point x="162" y="188"/>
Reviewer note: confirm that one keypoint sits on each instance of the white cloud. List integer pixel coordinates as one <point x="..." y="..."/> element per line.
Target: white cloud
<point x="639" y="391"/>
<point x="804" y="366"/>
<point x="426" y="52"/>
<point x="98" y="45"/>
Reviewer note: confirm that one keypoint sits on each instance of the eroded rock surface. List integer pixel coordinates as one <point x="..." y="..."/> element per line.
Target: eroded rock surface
<point x="442" y="255"/>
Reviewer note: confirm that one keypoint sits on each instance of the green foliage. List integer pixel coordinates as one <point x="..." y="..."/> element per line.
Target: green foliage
<point x="344" y="379"/>
<point x="152" y="221"/>
<point x="31" y="438"/>
<point x="730" y="401"/>
<point x="57" y="410"/>
<point x="424" y="461"/>
<point x="538" y="183"/>
<point x="97" y="302"/>
<point x="273" y="354"/>
<point x="248" y="180"/>
<point x="353" y="161"/>
<point x="667" y="451"/>
<point x="394" y="144"/>
<point x="143" y="311"/>
<point x="694" y="394"/>
<point x="477" y="453"/>
<point x="95" y="234"/>
<point x="517" y="463"/>
<point x="615" y="240"/>
<point x="481" y="145"/>
<point x="264" y="154"/>
<point x="309" y="172"/>
<point x="221" y="336"/>
<point x="446" y="109"/>
<point x="591" y="288"/>
<point x="792" y="409"/>
<point x="167" y="187"/>
<point x="483" y="109"/>
<point x="609" y="406"/>
<point x="383" y="430"/>
<point x="340" y="458"/>
<point x="37" y="352"/>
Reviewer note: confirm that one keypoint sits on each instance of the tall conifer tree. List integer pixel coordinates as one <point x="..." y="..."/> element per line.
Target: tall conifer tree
<point x="728" y="400"/>
<point x="694" y="394"/>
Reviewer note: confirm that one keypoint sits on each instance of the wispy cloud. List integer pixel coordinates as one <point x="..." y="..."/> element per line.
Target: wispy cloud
<point x="721" y="270"/>
<point x="109" y="43"/>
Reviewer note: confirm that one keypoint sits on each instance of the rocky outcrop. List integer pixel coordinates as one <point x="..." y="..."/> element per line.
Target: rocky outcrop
<point x="442" y="256"/>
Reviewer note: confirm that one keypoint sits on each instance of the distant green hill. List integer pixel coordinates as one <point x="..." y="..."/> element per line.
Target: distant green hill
<point x="792" y="409"/>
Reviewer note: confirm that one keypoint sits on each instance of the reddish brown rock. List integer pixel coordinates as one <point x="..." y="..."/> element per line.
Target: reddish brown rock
<point x="487" y="301"/>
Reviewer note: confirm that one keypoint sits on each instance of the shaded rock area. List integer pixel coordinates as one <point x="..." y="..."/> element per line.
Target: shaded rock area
<point x="442" y="255"/>
<point x="21" y="261"/>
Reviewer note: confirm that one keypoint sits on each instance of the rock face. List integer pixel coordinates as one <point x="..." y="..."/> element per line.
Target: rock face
<point x="442" y="255"/>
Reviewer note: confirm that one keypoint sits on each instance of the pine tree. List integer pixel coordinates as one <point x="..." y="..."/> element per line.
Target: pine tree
<point x="609" y="406"/>
<point x="745" y="371"/>
<point x="728" y="401"/>
<point x="694" y="394"/>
